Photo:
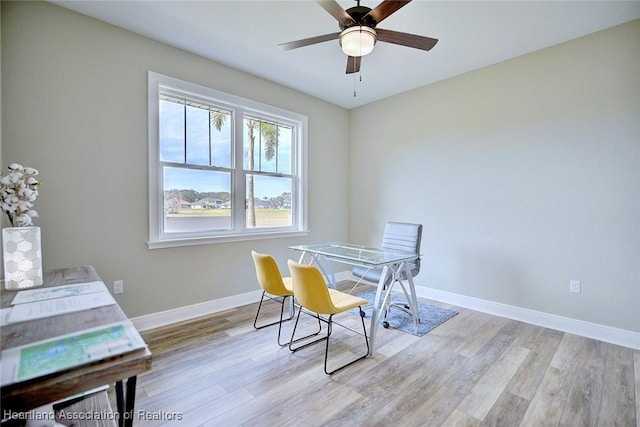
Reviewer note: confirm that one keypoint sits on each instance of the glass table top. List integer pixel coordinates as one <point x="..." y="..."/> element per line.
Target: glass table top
<point x="357" y="254"/>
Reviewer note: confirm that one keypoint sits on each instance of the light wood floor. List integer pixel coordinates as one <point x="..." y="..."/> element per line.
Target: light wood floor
<point x="474" y="370"/>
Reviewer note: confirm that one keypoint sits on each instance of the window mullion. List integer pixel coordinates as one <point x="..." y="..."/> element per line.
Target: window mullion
<point x="185" y="132"/>
<point x="209" y="138"/>
<point x="260" y="148"/>
<point x="239" y="178"/>
<point x="277" y="146"/>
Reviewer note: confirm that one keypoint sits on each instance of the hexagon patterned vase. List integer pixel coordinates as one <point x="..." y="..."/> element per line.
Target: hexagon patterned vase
<point x="22" y="257"/>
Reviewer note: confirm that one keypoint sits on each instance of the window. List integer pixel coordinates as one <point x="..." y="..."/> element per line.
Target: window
<point x="222" y="168"/>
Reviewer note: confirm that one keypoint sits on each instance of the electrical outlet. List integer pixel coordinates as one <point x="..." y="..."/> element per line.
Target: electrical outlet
<point x="574" y="286"/>
<point x="118" y="287"/>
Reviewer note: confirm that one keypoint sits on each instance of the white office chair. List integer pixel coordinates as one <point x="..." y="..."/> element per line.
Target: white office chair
<point x="400" y="236"/>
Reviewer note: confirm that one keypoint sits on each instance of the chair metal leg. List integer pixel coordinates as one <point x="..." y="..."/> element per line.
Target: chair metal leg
<point x="279" y="322"/>
<point x="293" y="341"/>
<point x="329" y="323"/>
<point x="326" y="351"/>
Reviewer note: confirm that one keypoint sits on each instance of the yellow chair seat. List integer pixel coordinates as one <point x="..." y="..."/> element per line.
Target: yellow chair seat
<point x="343" y="302"/>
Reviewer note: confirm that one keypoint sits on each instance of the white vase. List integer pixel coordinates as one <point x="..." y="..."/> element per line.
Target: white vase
<point x="22" y="257"/>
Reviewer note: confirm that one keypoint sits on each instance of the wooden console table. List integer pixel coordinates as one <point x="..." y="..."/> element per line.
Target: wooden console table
<point x="26" y="395"/>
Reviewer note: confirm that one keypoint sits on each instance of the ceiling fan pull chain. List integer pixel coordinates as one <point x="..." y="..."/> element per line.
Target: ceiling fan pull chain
<point x="354" y="85"/>
<point x="355" y="82"/>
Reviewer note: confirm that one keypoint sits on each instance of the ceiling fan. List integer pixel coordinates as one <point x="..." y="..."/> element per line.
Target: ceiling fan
<point x="358" y="32"/>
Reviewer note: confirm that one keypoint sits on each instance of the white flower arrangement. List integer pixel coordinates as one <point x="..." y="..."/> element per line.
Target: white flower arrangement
<point x="18" y="191"/>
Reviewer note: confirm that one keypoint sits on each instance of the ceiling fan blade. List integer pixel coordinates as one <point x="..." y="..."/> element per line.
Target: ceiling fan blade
<point x="336" y="11"/>
<point x="353" y="64"/>
<point x="386" y="8"/>
<point x="404" y="39"/>
<point x="309" y="41"/>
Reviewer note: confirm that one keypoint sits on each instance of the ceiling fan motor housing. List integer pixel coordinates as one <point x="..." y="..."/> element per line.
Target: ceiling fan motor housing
<point x="360" y="15"/>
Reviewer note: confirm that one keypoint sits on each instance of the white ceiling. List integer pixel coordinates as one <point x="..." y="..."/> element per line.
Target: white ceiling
<point x="245" y="34"/>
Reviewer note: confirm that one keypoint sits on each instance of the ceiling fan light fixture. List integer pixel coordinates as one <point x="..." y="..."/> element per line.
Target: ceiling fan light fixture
<point x="358" y="40"/>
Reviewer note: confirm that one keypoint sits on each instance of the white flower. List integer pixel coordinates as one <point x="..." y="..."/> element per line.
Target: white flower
<point x="18" y="189"/>
<point x="23" y="220"/>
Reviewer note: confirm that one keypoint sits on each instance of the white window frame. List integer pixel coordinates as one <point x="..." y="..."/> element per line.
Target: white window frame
<point x="240" y="107"/>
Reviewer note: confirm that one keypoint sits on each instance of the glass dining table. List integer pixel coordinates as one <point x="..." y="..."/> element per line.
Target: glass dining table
<point x="394" y="265"/>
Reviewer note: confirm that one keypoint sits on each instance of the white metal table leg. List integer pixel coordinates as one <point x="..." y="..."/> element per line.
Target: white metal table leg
<point x="375" y="312"/>
<point x="330" y="276"/>
<point x="412" y="292"/>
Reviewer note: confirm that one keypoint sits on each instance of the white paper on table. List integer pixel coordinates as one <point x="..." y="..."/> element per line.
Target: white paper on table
<point x="58" y="306"/>
<point x="40" y="294"/>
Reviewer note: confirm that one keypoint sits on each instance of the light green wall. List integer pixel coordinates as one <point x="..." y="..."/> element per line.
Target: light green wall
<point x="525" y="174"/>
<point x="74" y="96"/>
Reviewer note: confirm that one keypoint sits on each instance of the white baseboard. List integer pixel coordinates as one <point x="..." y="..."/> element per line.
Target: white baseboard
<point x="180" y="314"/>
<point x="596" y="331"/>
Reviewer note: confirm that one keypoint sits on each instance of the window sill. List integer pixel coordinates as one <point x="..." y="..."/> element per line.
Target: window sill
<point x="195" y="241"/>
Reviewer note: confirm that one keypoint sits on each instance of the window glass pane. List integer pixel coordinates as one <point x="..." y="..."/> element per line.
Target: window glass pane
<point x="262" y="145"/>
<point x="196" y="200"/>
<point x="284" y="150"/>
<point x="269" y="140"/>
<point x="171" y="132"/>
<point x="197" y="136"/>
<point x="271" y="205"/>
<point x="221" y="139"/>
<point x="251" y="144"/>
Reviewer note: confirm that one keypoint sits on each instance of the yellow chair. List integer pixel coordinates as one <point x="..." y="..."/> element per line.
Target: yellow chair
<point x="313" y="295"/>
<point x="274" y="286"/>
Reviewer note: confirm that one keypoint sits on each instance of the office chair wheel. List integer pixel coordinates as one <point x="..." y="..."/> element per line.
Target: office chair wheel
<point x="385" y="324"/>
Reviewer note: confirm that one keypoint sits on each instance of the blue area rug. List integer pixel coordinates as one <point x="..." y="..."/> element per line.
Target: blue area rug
<point x="431" y="316"/>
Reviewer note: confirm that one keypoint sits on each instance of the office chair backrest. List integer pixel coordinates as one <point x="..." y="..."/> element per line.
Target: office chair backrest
<point x="268" y="274"/>
<point x="403" y="236"/>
